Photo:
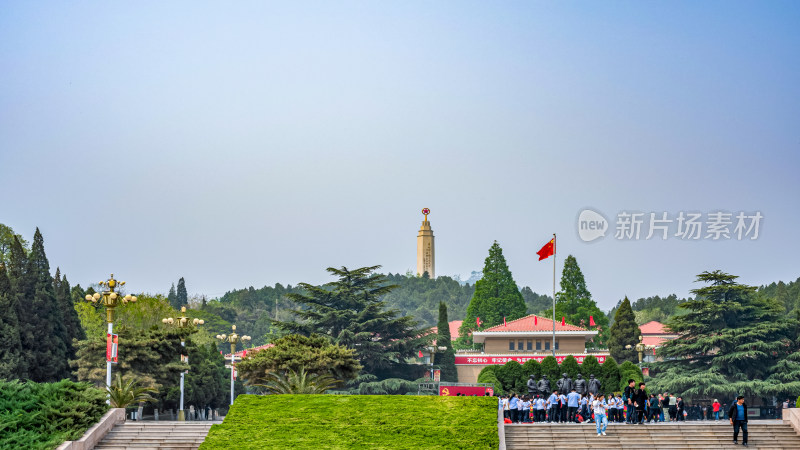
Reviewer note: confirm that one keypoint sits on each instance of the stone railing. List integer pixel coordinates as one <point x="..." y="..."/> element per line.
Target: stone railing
<point x="792" y="417"/>
<point x="97" y="432"/>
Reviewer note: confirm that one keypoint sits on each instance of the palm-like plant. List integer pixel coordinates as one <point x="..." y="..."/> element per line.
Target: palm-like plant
<point x="126" y="391"/>
<point x="298" y="382"/>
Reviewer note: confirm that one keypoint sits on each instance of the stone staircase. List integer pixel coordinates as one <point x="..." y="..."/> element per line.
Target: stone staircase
<point x="764" y="434"/>
<point x="155" y="435"/>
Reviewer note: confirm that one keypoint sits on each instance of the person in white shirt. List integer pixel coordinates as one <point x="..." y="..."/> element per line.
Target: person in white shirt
<point x="540" y="414"/>
<point x="599" y="408"/>
<point x="562" y="416"/>
<point x="506" y="413"/>
<point x="520" y="404"/>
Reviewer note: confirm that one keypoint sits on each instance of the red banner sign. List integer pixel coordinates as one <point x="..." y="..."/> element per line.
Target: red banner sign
<point x="486" y="360"/>
<point x="465" y="390"/>
<point x="112" y="347"/>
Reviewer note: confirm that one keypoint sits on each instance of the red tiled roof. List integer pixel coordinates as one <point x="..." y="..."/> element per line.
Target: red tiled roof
<point x="454" y="325"/>
<point x="529" y="323"/>
<point x="654" y="341"/>
<point x="653" y="327"/>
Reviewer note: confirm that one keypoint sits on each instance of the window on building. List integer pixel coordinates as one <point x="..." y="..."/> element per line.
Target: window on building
<point x="511" y="345"/>
<point x="519" y="345"/>
<point x="530" y="345"/>
<point x="547" y="345"/>
<point x="538" y="345"/>
<point x="556" y="344"/>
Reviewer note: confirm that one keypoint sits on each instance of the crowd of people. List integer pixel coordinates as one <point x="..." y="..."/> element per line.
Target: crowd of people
<point x="634" y="406"/>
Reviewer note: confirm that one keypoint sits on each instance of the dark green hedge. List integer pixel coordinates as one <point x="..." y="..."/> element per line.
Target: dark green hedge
<point x="355" y="421"/>
<point x="43" y="415"/>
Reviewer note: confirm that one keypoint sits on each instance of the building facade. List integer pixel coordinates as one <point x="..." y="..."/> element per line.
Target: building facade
<point x="521" y="340"/>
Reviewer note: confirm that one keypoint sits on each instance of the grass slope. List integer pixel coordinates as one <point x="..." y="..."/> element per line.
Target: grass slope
<point x="356" y="421"/>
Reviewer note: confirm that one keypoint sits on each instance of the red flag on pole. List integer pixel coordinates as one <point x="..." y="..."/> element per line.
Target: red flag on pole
<point x="504" y="321"/>
<point x="536" y="320"/>
<point x="591" y="321"/>
<point x="547" y="250"/>
<point x="478" y="321"/>
<point x="420" y="353"/>
<point x="563" y="321"/>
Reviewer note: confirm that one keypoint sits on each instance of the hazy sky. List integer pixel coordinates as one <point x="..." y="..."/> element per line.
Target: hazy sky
<point x="249" y="143"/>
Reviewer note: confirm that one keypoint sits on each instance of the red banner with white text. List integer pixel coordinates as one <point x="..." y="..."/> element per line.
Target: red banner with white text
<point x="465" y="390"/>
<point x="502" y="359"/>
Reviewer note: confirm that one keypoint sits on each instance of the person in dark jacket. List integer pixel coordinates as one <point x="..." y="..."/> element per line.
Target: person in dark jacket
<point x="640" y="403"/>
<point x="738" y="418"/>
<point x="681" y="409"/>
<point x="628" y="397"/>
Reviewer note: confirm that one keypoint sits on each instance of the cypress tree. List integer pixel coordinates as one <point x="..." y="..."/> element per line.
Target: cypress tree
<point x="570" y="366"/>
<point x="496" y="295"/>
<point x="574" y="302"/>
<point x="173" y="297"/>
<point x="72" y="324"/>
<point x="551" y="368"/>
<point x="624" y="332"/>
<point x="609" y="378"/>
<point x="17" y="268"/>
<point x="41" y="322"/>
<point x="182" y="297"/>
<point x="591" y="366"/>
<point x="446" y="359"/>
<point x="10" y="348"/>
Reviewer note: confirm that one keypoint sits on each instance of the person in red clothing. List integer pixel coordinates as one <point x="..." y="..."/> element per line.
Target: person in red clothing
<point x="715" y="407"/>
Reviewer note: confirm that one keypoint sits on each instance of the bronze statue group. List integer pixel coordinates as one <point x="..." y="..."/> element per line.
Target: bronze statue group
<point x="571" y="401"/>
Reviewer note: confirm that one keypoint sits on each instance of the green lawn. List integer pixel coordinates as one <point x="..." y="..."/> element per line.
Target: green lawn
<point x="356" y="421"/>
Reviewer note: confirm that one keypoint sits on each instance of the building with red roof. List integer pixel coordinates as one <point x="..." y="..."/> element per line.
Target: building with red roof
<point x="654" y="334"/>
<point x="529" y="337"/>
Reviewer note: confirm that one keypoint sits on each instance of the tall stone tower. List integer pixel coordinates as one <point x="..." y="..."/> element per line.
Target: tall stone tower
<point x="426" y="254"/>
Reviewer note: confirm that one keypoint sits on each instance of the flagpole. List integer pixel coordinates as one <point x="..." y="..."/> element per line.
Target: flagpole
<point x="554" y="295"/>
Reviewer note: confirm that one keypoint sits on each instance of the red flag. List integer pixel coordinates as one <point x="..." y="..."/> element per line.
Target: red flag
<point x="478" y="321"/>
<point x="504" y="321"/>
<point x="244" y="354"/>
<point x="563" y="321"/>
<point x="591" y="321"/>
<point x="536" y="320"/>
<point x="420" y="353"/>
<point x="548" y="250"/>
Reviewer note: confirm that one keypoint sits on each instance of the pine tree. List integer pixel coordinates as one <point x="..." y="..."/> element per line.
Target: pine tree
<point x="41" y="323"/>
<point x="574" y="302"/>
<point x="729" y="341"/>
<point x="173" y="297"/>
<point x="446" y="360"/>
<point x="496" y="295"/>
<point x="624" y="332"/>
<point x="10" y="350"/>
<point x="350" y="312"/>
<point x="182" y="297"/>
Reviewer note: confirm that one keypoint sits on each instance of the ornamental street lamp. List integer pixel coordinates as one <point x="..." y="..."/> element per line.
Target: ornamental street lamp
<point x="111" y="299"/>
<point x="182" y="322"/>
<point x="432" y="350"/>
<point x="639" y="349"/>
<point x="233" y="338"/>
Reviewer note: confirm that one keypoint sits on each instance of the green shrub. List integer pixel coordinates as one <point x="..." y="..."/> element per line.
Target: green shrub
<point x="43" y="415"/>
<point x="356" y="421"/>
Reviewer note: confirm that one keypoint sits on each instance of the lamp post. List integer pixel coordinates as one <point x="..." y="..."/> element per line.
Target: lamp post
<point x="639" y="349"/>
<point x="182" y="322"/>
<point x="433" y="349"/>
<point x="233" y="338"/>
<point x="111" y="299"/>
